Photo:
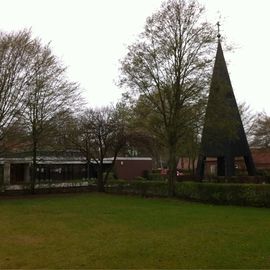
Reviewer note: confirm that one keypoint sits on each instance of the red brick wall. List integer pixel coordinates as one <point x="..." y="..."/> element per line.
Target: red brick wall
<point x="131" y="168"/>
<point x="261" y="158"/>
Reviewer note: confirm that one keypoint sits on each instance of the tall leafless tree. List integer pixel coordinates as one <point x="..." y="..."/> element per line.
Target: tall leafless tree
<point x="169" y="67"/>
<point x="17" y="54"/>
<point x="49" y="95"/>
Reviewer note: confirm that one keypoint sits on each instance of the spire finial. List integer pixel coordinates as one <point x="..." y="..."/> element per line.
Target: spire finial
<point x="218" y="25"/>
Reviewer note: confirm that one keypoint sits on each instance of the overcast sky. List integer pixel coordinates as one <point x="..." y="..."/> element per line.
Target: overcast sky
<point x="91" y="36"/>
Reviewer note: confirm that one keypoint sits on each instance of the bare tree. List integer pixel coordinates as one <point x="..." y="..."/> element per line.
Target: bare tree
<point x="248" y="118"/>
<point x="169" y="67"/>
<point x="261" y="131"/>
<point x="17" y="53"/>
<point x="100" y="133"/>
<point x="49" y="95"/>
<point x="15" y="139"/>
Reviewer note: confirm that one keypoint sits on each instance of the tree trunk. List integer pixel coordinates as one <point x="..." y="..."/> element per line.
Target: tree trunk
<point x="193" y="166"/>
<point x="88" y="169"/>
<point x="100" y="181"/>
<point x="172" y="170"/>
<point x="34" y="167"/>
<point x="110" y="169"/>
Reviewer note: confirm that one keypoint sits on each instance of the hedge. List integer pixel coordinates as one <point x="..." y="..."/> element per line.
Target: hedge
<point x="217" y="193"/>
<point x="141" y="188"/>
<point x="222" y="193"/>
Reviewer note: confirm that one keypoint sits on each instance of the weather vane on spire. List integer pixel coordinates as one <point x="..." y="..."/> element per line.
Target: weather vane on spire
<point x="218" y="25"/>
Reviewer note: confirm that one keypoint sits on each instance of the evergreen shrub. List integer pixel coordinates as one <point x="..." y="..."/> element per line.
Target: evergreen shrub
<point x="225" y="193"/>
<point x="216" y="193"/>
<point x="140" y="187"/>
<point x="156" y="176"/>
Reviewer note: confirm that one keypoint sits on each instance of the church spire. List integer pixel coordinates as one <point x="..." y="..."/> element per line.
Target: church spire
<point x="223" y="134"/>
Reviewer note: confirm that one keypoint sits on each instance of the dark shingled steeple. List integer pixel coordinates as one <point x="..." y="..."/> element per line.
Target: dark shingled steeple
<point x="223" y="134"/>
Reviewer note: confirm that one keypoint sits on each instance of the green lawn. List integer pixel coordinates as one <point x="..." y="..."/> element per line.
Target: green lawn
<point x="107" y="231"/>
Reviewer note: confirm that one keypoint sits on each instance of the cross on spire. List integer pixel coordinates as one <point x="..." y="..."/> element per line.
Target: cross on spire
<point x="218" y="25"/>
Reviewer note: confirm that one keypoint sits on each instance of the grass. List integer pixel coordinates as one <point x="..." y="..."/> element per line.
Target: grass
<point x="109" y="231"/>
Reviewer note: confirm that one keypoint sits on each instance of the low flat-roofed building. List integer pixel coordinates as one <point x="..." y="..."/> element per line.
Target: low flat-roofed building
<point x="15" y="168"/>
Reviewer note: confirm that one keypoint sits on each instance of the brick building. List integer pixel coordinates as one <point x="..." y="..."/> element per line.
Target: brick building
<point x="261" y="158"/>
<point x="63" y="166"/>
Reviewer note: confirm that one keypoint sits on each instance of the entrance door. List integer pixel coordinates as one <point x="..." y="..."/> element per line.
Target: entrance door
<point x="16" y="173"/>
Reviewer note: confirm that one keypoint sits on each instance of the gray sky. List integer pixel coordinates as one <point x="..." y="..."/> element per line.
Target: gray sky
<point x="91" y="36"/>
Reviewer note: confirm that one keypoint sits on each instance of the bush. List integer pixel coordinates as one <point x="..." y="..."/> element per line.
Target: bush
<point x="241" y="179"/>
<point x="156" y="176"/>
<point x="145" y="174"/>
<point x="141" y="187"/>
<point x="147" y="188"/>
<point x="139" y="178"/>
<point x="111" y="176"/>
<point x="217" y="193"/>
<point x="264" y="173"/>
